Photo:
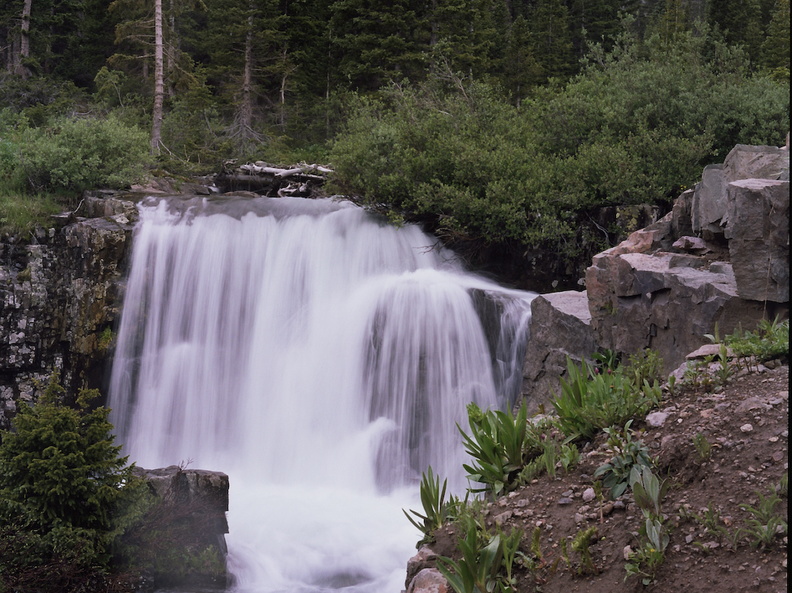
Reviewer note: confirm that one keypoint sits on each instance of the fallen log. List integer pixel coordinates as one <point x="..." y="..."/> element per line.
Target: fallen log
<point x="265" y="179"/>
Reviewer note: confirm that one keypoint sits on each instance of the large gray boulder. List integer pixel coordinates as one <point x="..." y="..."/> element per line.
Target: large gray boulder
<point x="560" y="328"/>
<point x="718" y="260"/>
<point x="711" y="200"/>
<point x="663" y="301"/>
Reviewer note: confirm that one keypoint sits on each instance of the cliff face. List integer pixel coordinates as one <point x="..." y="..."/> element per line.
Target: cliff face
<point x="59" y="298"/>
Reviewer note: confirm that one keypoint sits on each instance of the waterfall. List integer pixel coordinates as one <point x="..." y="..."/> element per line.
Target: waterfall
<point x="319" y="357"/>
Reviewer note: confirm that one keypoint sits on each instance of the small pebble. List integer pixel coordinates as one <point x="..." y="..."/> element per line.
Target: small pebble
<point x="746" y="428"/>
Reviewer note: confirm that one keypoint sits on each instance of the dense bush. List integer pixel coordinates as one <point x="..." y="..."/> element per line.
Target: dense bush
<point x="637" y="124"/>
<point x="75" y="154"/>
<point x="65" y="496"/>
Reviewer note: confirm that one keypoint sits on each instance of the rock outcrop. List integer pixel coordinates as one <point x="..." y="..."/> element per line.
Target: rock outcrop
<point x="720" y="260"/>
<point x="560" y="328"/>
<point x="59" y="297"/>
<point x="182" y="540"/>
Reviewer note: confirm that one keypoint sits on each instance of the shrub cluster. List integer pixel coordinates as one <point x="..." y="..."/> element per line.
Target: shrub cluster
<point x="637" y="124"/>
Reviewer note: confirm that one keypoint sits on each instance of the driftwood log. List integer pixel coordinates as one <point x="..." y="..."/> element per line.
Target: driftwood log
<point x="262" y="178"/>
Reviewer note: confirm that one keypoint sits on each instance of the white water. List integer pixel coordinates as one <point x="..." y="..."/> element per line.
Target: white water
<point x="320" y="359"/>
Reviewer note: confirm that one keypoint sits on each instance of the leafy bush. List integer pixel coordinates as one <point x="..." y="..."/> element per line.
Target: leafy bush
<point x="460" y="156"/>
<point x="65" y="495"/>
<point x="591" y="401"/>
<point x="78" y="154"/>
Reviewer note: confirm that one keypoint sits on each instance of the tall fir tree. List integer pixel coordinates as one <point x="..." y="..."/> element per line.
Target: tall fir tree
<point x="552" y="40"/>
<point x="775" y="49"/>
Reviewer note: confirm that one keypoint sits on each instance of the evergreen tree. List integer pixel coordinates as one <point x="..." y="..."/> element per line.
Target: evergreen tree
<point x="739" y="21"/>
<point x="549" y="20"/>
<point x="521" y="70"/>
<point x="376" y="42"/>
<point x="463" y="34"/>
<point x="593" y="21"/>
<point x="775" y="49"/>
<point x="64" y="488"/>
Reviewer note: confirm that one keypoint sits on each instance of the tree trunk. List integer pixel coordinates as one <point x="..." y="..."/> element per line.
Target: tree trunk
<point x="246" y="106"/>
<point x="159" y="82"/>
<point x="20" y="67"/>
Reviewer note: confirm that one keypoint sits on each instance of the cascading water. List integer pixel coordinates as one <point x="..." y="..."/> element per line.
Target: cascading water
<point x="319" y="358"/>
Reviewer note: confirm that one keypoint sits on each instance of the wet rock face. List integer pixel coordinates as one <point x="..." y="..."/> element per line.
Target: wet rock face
<point x="59" y="298"/>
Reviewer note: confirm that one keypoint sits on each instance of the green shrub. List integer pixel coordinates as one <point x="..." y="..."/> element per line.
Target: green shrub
<point x="502" y="444"/>
<point x="78" y="154"/>
<point x="591" y="401"/>
<point x="65" y="494"/>
<point x="769" y="340"/>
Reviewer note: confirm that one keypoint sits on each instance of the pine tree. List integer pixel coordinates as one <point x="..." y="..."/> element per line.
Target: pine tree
<point x="552" y="40"/>
<point x="775" y="49"/>
<point x="521" y="70"/>
<point x="62" y="477"/>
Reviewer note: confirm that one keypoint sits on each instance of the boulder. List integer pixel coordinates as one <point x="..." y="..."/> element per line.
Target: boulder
<point x="182" y="539"/>
<point x="560" y="328"/>
<point x="429" y="580"/>
<point x="757" y="228"/>
<point x="711" y="200"/>
<point x="425" y="558"/>
<point x="663" y="301"/>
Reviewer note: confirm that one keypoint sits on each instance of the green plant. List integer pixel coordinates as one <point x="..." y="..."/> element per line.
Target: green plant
<point x="703" y="446"/>
<point x="500" y="444"/>
<point x="648" y="489"/>
<point x="627" y="454"/>
<point x="769" y="340"/>
<point x="64" y="488"/>
<point x="486" y="562"/>
<point x="582" y="545"/>
<point x="723" y="371"/>
<point x="569" y="456"/>
<point x="646" y="365"/>
<point x="606" y="360"/>
<point x="76" y="154"/>
<point x="783" y="485"/>
<point x="434" y="505"/>
<point x="644" y="561"/>
<point x="765" y="525"/>
<point x="711" y="520"/>
<point x="591" y="401"/>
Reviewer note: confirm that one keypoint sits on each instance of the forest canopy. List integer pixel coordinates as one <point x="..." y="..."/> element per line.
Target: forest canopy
<point x="501" y="121"/>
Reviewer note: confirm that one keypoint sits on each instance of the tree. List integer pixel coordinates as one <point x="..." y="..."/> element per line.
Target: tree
<point x="775" y="49"/>
<point x="375" y="43"/>
<point x="159" y="80"/>
<point x="521" y="70"/>
<point x="64" y="491"/>
<point x="593" y="20"/>
<point x="552" y="40"/>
